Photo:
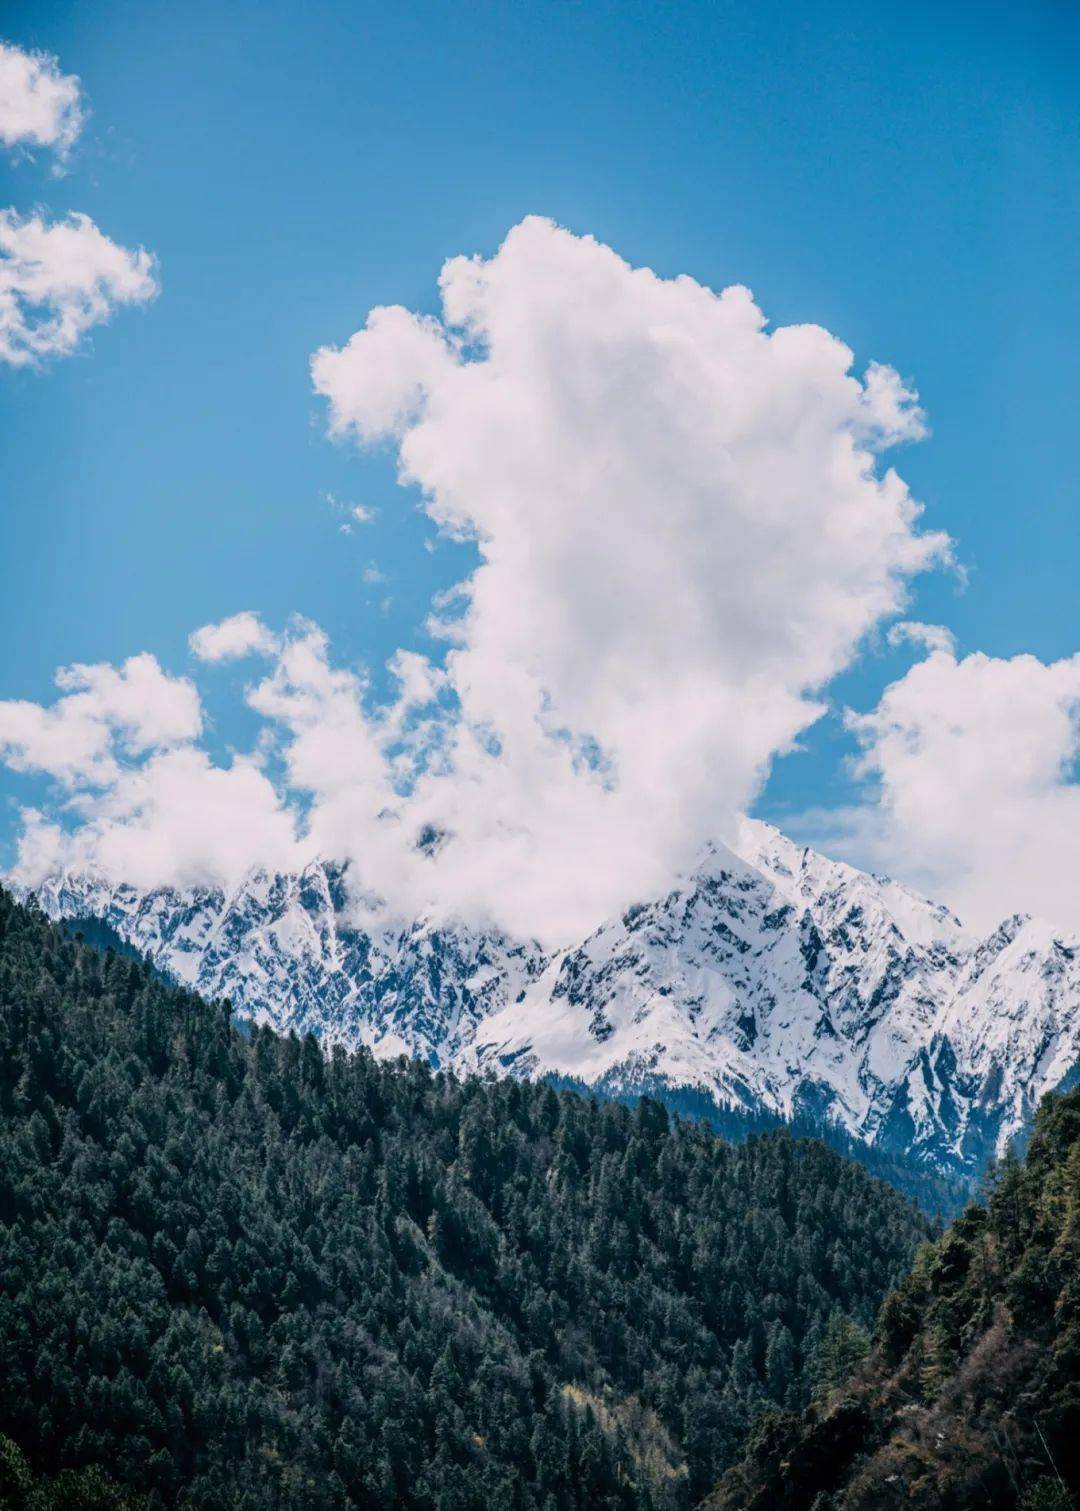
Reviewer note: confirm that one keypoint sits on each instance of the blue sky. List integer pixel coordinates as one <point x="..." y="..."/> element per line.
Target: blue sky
<point x="904" y="175"/>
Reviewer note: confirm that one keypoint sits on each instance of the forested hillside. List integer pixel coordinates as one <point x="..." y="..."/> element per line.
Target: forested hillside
<point x="971" y="1396"/>
<point x="940" y="1195"/>
<point x="234" y="1273"/>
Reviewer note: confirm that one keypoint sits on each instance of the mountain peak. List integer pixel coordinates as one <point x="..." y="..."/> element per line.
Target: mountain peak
<point x="769" y="978"/>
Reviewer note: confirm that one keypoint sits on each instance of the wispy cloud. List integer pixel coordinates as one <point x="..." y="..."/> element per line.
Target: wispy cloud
<point x="354" y="514"/>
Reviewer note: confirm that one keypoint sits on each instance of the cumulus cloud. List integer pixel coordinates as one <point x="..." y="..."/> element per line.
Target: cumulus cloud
<point x="60" y="278"/>
<point x="683" y="536"/>
<point x="683" y="533"/>
<point x="240" y="635"/>
<point x="973" y="761"/>
<point x="39" y="105"/>
<point x="138" y="799"/>
<point x="174" y="819"/>
<point x="104" y="714"/>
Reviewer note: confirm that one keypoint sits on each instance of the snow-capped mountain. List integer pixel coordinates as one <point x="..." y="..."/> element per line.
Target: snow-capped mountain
<point x="772" y="980"/>
<point x="289" y="951"/>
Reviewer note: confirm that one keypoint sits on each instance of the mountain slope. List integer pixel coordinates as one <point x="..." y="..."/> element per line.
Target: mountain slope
<point x="773" y="981"/>
<point x="298" y="952"/>
<point x="234" y="1272"/>
<point x="972" y="1395"/>
<point x="783" y="981"/>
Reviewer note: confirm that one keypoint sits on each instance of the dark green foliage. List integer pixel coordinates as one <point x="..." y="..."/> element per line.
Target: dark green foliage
<point x="972" y="1394"/>
<point x="843" y="1347"/>
<point x="89" y="1489"/>
<point x="236" y="1274"/>
<point x="941" y="1195"/>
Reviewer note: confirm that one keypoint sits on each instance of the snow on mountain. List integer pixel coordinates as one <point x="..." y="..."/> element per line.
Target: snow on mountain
<point x="775" y="979"/>
<point x="771" y="979"/>
<point x="297" y="952"/>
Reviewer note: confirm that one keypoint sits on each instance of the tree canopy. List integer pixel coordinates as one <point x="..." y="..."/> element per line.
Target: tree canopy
<point x="237" y="1273"/>
<point x="971" y="1394"/>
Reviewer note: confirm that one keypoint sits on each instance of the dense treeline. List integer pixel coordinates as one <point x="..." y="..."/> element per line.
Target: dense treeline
<point x="941" y="1194"/>
<point x="971" y="1394"/>
<point x="235" y="1273"/>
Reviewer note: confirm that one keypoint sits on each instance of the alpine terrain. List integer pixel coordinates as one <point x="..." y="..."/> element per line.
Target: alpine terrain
<point x="773" y="982"/>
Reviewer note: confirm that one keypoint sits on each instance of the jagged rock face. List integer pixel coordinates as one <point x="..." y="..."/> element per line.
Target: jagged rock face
<point x="294" y="952"/>
<point x="773" y="979"/>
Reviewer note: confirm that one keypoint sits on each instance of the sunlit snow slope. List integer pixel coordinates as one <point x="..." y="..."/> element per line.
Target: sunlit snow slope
<point x="773" y="980"/>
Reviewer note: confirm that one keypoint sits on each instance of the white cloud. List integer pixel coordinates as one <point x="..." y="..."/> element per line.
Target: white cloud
<point x="377" y="383"/>
<point x="890" y="408"/>
<point x="932" y="637"/>
<point x="39" y="105"/>
<point x="58" y="280"/>
<point x="682" y="536"/>
<point x="356" y="514"/>
<point x="176" y="819"/>
<point x="976" y="802"/>
<point x="140" y="800"/>
<point x="103" y="715"/>
<point x="239" y="635"/>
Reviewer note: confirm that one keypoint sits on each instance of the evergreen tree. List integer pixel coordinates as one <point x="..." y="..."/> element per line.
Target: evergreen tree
<point x="235" y="1272"/>
<point x="971" y="1394"/>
